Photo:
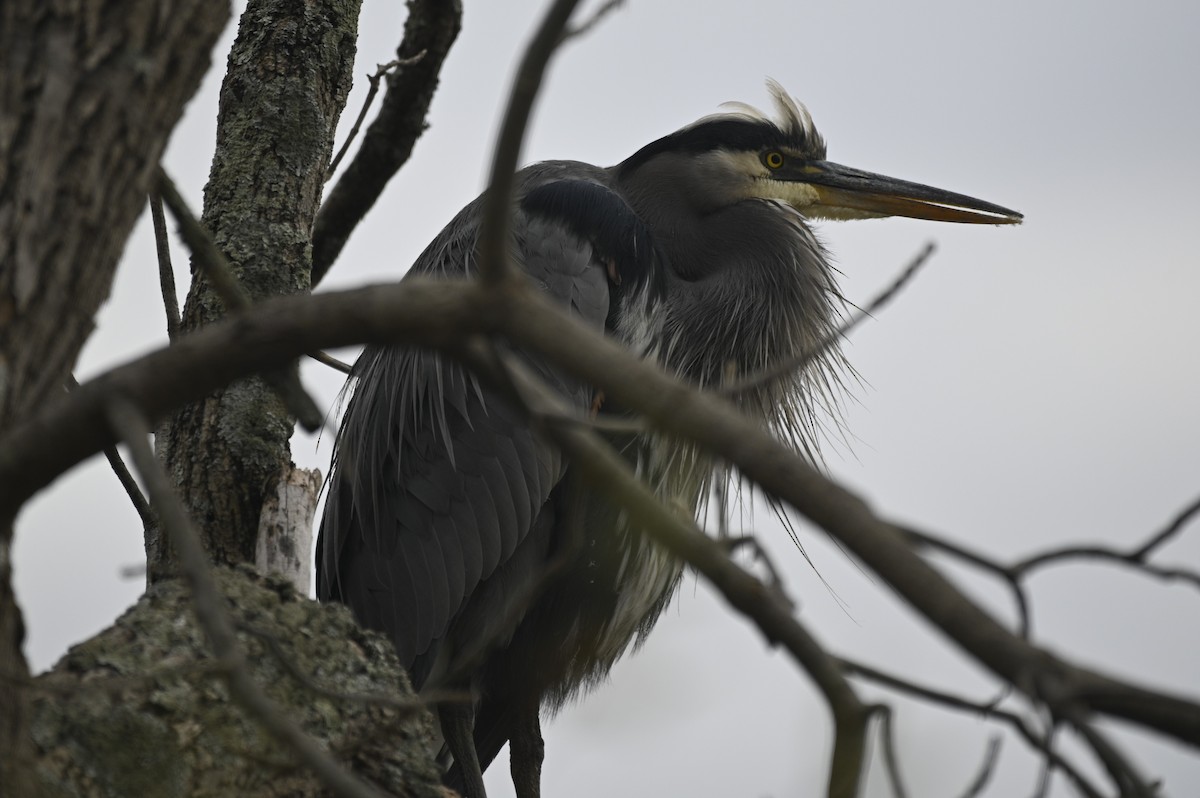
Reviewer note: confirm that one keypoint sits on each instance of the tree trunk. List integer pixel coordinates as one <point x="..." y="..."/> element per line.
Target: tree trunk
<point x="146" y="714"/>
<point x="89" y="92"/>
<point x="288" y="77"/>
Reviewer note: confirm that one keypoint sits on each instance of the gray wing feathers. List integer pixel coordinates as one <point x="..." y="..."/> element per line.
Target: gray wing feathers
<point x="438" y="480"/>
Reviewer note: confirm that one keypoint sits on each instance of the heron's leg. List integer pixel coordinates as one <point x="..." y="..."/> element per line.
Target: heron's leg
<point x="525" y="753"/>
<point x="458" y="730"/>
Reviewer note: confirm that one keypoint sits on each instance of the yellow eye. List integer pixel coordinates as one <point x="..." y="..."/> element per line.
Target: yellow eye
<point x="773" y="159"/>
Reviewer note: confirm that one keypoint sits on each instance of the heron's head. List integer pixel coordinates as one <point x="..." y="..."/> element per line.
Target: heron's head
<point x="743" y="154"/>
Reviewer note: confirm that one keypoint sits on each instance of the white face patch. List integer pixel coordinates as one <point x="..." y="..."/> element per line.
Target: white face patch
<point x="800" y="196"/>
<point x="745" y="176"/>
<point x="809" y="201"/>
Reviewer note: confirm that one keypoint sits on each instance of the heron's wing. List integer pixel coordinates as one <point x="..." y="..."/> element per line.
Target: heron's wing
<point x="438" y="479"/>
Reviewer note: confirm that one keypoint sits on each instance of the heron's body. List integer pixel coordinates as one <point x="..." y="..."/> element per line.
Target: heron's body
<point x="455" y="528"/>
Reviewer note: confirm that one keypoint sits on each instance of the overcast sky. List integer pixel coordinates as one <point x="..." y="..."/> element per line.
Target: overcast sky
<point x="1034" y="386"/>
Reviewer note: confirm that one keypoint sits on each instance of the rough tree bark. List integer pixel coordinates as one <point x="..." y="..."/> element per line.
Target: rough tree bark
<point x="148" y="716"/>
<point x="430" y="30"/>
<point x="89" y="92"/>
<point x="287" y="80"/>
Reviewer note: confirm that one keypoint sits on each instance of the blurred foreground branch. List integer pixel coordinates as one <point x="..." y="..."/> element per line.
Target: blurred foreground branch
<point x="446" y="314"/>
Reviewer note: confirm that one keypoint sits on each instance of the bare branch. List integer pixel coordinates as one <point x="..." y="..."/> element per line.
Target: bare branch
<point x="331" y="361"/>
<point x="1136" y="557"/>
<point x="1038" y="742"/>
<point x="678" y="534"/>
<point x="712" y="422"/>
<point x="284" y="381"/>
<point x="373" y="80"/>
<point x="1120" y="769"/>
<point x="732" y="544"/>
<point x="431" y="28"/>
<point x="887" y="737"/>
<point x="1176" y="524"/>
<point x="443" y="313"/>
<point x="983" y="563"/>
<point x="208" y="255"/>
<point x="493" y="228"/>
<point x="801" y="360"/>
<point x="585" y="27"/>
<point x="126" y="479"/>
<point x="1014" y="574"/>
<point x="1042" y="787"/>
<point x="1060" y="556"/>
<point x="131" y="426"/>
<point x="166" y="275"/>
<point x="986" y="768"/>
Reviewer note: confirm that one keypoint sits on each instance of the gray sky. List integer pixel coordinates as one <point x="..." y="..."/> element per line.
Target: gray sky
<point x="1034" y="386"/>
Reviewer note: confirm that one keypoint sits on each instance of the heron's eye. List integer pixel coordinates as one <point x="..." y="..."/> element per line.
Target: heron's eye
<point x="773" y="159"/>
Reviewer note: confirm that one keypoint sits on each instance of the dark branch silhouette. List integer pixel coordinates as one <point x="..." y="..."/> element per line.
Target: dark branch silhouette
<point x="286" y="380"/>
<point x="429" y="31"/>
<point x="128" y="423"/>
<point x="493" y="229"/>
<point x="373" y="80"/>
<point x="447" y="314"/>
<point x="166" y="274"/>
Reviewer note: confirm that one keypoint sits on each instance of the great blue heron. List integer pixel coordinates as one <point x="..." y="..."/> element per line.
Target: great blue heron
<point x="445" y="507"/>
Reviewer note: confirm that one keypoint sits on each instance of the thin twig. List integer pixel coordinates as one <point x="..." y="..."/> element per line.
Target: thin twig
<point x="166" y="275"/>
<point x="374" y="80"/>
<point x="493" y="228"/>
<point x="1176" y="524"/>
<point x="144" y="511"/>
<point x="332" y="362"/>
<point x="1042" y="786"/>
<point x="987" y="768"/>
<point x="585" y="27"/>
<point x="1064" y="554"/>
<point x="983" y="563"/>
<point x="129" y="425"/>
<point x="938" y="697"/>
<point x="724" y="512"/>
<point x="605" y="469"/>
<point x="1120" y="768"/>
<point x="387" y="143"/>
<point x="887" y="737"/>
<point x="801" y="360"/>
<point x="285" y="381"/>
<point x="760" y="554"/>
<point x="1136" y="557"/>
<point x="208" y="255"/>
<point x="443" y="312"/>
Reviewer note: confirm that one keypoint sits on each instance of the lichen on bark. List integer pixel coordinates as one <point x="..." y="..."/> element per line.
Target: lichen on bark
<point x="139" y="709"/>
<point x="286" y="83"/>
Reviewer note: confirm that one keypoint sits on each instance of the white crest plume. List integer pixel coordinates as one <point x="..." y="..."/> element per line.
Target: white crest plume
<point x="793" y="117"/>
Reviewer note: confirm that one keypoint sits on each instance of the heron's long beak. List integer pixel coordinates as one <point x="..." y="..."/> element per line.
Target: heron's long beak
<point x="845" y="193"/>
